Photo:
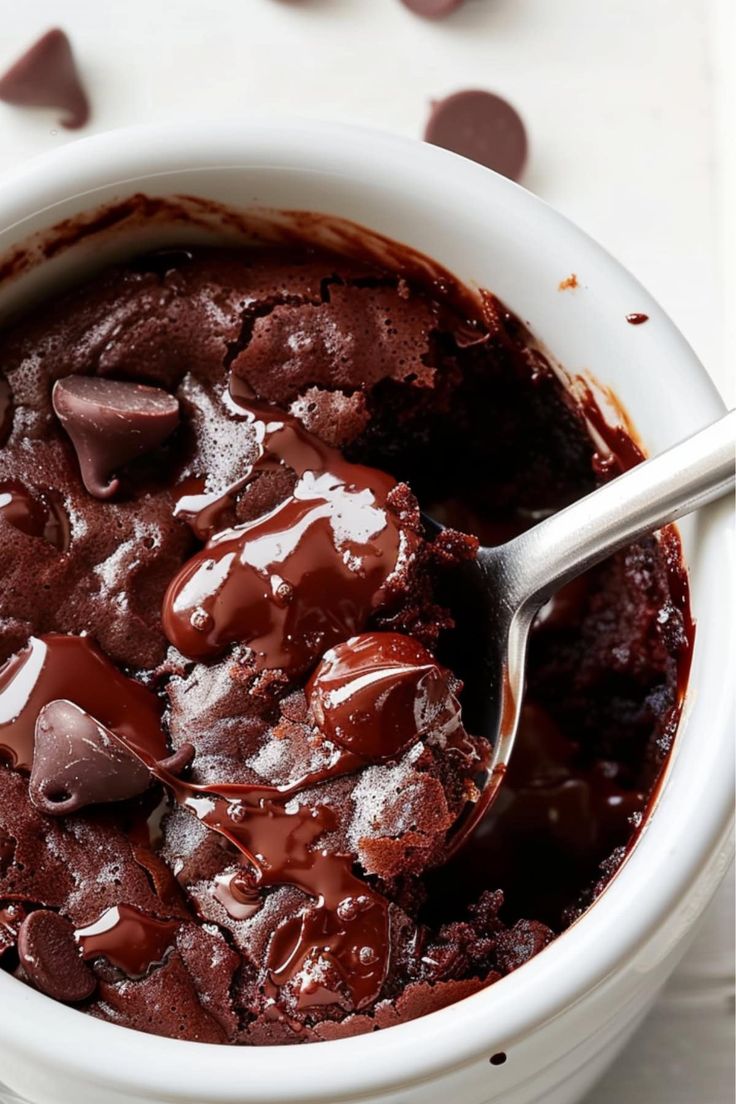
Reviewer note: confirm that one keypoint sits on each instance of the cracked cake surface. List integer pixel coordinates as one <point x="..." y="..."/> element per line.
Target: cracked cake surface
<point x="232" y="738"/>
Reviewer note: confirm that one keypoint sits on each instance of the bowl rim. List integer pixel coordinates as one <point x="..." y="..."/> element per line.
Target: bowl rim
<point x="578" y="961"/>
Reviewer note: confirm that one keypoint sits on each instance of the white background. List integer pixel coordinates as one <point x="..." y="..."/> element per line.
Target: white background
<point x="627" y="107"/>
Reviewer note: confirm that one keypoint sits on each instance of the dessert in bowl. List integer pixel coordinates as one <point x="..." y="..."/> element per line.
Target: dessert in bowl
<point x="257" y="856"/>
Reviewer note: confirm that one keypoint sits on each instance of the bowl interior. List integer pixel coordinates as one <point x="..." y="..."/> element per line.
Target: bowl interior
<point x="488" y="233"/>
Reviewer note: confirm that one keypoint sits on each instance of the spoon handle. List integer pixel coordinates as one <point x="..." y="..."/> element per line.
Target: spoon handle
<point x="648" y="496"/>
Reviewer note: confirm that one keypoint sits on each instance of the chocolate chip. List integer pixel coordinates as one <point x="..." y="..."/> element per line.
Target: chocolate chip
<point x="78" y="762"/>
<point x="432" y="9"/>
<point x="481" y="126"/>
<point x="46" y="76"/>
<point x="50" y="957"/>
<point x="111" y="422"/>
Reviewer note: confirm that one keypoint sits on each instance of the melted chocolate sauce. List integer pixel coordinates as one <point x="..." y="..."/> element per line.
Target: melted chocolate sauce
<point x="56" y="667"/>
<point x="344" y="930"/>
<point x="299" y="579"/>
<point x="621" y="450"/>
<point x="205" y="511"/>
<point x="145" y="835"/>
<point x="554" y="820"/>
<point x="378" y="693"/>
<point x="34" y="514"/>
<point x="128" y="938"/>
<point x="558" y="814"/>
<point x="237" y="895"/>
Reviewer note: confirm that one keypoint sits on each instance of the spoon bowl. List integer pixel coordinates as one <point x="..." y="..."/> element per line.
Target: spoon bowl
<point x="496" y="596"/>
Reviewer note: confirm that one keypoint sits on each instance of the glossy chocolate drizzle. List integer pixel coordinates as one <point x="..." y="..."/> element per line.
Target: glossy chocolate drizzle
<point x="303" y="576"/>
<point x="33" y="513"/>
<point x="378" y="693"/>
<point x="128" y="938"/>
<point x="342" y="935"/>
<point x="72" y="668"/>
<point x="335" y="951"/>
<point x="237" y="894"/>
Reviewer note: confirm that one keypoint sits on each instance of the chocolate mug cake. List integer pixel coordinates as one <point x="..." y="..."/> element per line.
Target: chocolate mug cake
<point x="234" y="745"/>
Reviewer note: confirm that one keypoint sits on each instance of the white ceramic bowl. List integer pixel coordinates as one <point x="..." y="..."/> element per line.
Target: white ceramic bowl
<point x="563" y="1016"/>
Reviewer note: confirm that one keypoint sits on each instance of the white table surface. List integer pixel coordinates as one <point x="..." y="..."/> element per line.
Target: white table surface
<point x="627" y="107"/>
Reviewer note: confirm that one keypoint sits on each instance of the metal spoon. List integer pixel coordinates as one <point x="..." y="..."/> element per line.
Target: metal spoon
<point x="499" y="594"/>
